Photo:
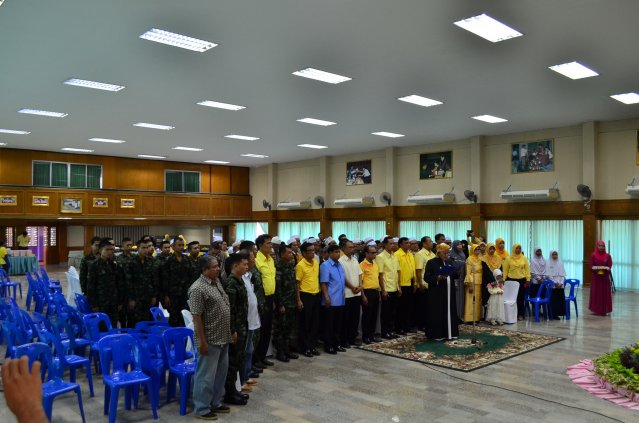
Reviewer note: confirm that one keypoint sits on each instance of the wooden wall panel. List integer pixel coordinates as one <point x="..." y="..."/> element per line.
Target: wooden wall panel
<point x="175" y="206"/>
<point x="241" y="207"/>
<point x="220" y="179"/>
<point x="151" y="205"/>
<point x="198" y="206"/>
<point x="221" y="206"/>
<point x="239" y="180"/>
<point x="50" y="209"/>
<point x="18" y="208"/>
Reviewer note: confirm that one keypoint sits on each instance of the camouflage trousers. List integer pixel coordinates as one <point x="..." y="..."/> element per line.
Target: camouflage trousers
<point x="284" y="325"/>
<point x="237" y="358"/>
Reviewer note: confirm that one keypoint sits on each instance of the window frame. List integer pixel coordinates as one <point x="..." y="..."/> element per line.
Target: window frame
<point x="68" y="165"/>
<point x="181" y="171"/>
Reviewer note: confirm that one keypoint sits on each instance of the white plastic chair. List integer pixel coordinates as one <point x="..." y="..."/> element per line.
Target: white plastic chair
<point x="511" y="289"/>
<point x="188" y="322"/>
<point x="74" y="285"/>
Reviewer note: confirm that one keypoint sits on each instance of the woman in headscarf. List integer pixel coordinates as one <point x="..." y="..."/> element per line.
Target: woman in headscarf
<point x="495" y="313"/>
<point x="459" y="263"/>
<point x="494" y="263"/>
<point x="517" y="268"/>
<point x="600" y="296"/>
<point x="477" y="275"/>
<point x="538" y="272"/>
<point x="557" y="274"/>
<point x="501" y="251"/>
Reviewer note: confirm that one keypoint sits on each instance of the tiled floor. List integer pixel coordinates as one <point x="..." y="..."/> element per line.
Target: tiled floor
<point x="359" y="386"/>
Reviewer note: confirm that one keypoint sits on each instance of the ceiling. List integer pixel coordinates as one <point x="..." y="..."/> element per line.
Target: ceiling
<point x="390" y="49"/>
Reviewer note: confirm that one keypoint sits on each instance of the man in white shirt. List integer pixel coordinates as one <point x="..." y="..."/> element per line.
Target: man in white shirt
<point x="353" y="294"/>
<point x="253" y="318"/>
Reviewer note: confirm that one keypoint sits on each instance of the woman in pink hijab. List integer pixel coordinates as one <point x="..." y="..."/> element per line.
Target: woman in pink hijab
<point x="600" y="295"/>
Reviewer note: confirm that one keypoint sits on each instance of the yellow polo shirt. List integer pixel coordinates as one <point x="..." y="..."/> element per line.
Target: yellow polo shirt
<point x="370" y="275"/>
<point x="23" y="241"/>
<point x="422" y="257"/>
<point x="266" y="266"/>
<point x="3" y="254"/>
<point x="406" y="262"/>
<point x="308" y="276"/>
<point x="388" y="266"/>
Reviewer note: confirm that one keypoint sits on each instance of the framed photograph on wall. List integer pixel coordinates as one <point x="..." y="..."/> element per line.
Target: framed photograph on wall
<point x="127" y="203"/>
<point x="535" y="156"/>
<point x="436" y="165"/>
<point x="359" y="173"/>
<point x="100" y="202"/>
<point x="70" y="205"/>
<point x="40" y="200"/>
<point x="8" y="200"/>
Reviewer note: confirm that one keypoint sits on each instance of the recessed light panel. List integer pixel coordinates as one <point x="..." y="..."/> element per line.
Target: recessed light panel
<point x="420" y="101"/>
<point x="14" y="132"/>
<point x="188" y="148"/>
<point x="316" y="122"/>
<point x="318" y="75"/>
<point x="65" y="218"/>
<point x="93" y="84"/>
<point x="42" y="113"/>
<point x="241" y="137"/>
<point x="490" y="119"/>
<point x="488" y="28"/>
<point x="3" y="144"/>
<point x="627" y="98"/>
<point x="218" y="105"/>
<point x="107" y="140"/>
<point x="139" y="218"/>
<point x="574" y="70"/>
<point x="150" y="156"/>
<point x="216" y="162"/>
<point x="388" y="134"/>
<point x="257" y="156"/>
<point x="177" y="40"/>
<point x="315" y="146"/>
<point x="153" y="126"/>
<point x="77" y="150"/>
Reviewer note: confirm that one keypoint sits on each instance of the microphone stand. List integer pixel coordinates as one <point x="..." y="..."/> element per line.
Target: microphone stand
<point x="473" y="340"/>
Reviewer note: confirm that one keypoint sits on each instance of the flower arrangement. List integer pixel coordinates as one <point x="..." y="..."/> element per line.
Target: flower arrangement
<point x="620" y="368"/>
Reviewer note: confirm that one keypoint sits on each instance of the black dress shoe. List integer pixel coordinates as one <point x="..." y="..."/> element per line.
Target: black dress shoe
<point x="259" y="365"/>
<point x="254" y="375"/>
<point x="377" y="339"/>
<point x="244" y="396"/>
<point x="282" y="357"/>
<point x="257" y="369"/>
<point x="341" y="349"/>
<point x="387" y="336"/>
<point x="267" y="362"/>
<point x="315" y="352"/>
<point x="357" y="343"/>
<point x="366" y="341"/>
<point x="330" y="350"/>
<point x="347" y="345"/>
<point x="235" y="400"/>
<point x="292" y="355"/>
<point x="394" y="336"/>
<point x="308" y="353"/>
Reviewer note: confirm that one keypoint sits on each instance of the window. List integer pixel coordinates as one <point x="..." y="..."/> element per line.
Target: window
<point x="67" y="175"/>
<point x="303" y="229"/>
<point x="453" y="229"/>
<point x="248" y="231"/>
<point x="8" y="235"/>
<point x="180" y="181"/>
<point x="621" y="238"/>
<point x="359" y="230"/>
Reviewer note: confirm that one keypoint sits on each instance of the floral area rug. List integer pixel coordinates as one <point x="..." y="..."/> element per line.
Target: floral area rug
<point x="493" y="345"/>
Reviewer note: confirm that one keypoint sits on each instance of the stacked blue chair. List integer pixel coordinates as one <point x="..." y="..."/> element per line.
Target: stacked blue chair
<point x="180" y="367"/>
<point x="543" y="299"/>
<point x="154" y="359"/>
<point x="82" y="304"/>
<point x="158" y="314"/>
<point x="97" y="326"/>
<point x="6" y="284"/>
<point x="50" y="285"/>
<point x="572" y="296"/>
<point x="121" y="368"/>
<point x="54" y="385"/>
<point x="73" y="326"/>
<point x="147" y="326"/>
<point x="527" y="301"/>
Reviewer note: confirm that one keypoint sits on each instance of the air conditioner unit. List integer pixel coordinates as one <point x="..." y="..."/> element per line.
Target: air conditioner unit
<point x="632" y="190"/>
<point x="294" y="205"/>
<point x="431" y="199"/>
<point x="534" y="195"/>
<point x="355" y="202"/>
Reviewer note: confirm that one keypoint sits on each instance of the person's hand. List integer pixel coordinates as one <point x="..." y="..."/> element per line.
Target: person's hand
<point x="384" y="295"/>
<point x="364" y="300"/>
<point x="327" y="302"/>
<point x="282" y="310"/>
<point x="399" y="292"/>
<point x="441" y="278"/>
<point x="131" y="304"/>
<point x="234" y="338"/>
<point x="300" y="305"/>
<point x="204" y="348"/>
<point x="414" y="289"/>
<point x="471" y="289"/>
<point x="23" y="388"/>
<point x="357" y="290"/>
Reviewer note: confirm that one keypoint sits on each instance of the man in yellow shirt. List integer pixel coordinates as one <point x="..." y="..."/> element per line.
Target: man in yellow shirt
<point x="420" y="287"/>
<point x="388" y="282"/>
<point x="307" y="292"/>
<point x="406" y="262"/>
<point x="3" y="256"/>
<point x="266" y="266"/>
<point x="23" y="241"/>
<point x="370" y="297"/>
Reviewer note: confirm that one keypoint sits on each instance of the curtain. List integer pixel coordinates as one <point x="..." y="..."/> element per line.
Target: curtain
<point x="78" y="176"/>
<point x="120" y="232"/>
<point x="42" y="174"/>
<point x="454" y="229"/>
<point x="359" y="230"/>
<point x="191" y="181"/>
<point x="173" y="181"/>
<point x="250" y="230"/>
<point x="621" y="238"/>
<point x="59" y="175"/>
<point x="94" y="176"/>
<point x="303" y="229"/>
<point x="565" y="236"/>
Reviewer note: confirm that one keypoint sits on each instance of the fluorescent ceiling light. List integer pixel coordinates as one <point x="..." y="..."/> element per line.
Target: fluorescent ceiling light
<point x="177" y="40"/>
<point x="150" y="156"/>
<point x="490" y="119"/>
<point x="218" y="105"/>
<point x="488" y="28"/>
<point x="15" y="132"/>
<point x="419" y="100"/>
<point x="139" y="218"/>
<point x="42" y="113"/>
<point x="153" y="126"/>
<point x="257" y="156"/>
<point x="316" y="122"/>
<point x="318" y="75"/>
<point x="216" y="162"/>
<point x="573" y="70"/>
<point x="188" y="148"/>
<point x="387" y="134"/>
<point x="65" y="218"/>
<point x="107" y="140"/>
<point x="95" y="85"/>
<point x="241" y="137"/>
<point x="2" y="144"/>
<point x="77" y="150"/>
<point x="627" y="98"/>
<point x="318" y="147"/>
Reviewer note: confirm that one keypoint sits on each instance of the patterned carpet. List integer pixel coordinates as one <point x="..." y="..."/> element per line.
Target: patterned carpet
<point x="460" y="354"/>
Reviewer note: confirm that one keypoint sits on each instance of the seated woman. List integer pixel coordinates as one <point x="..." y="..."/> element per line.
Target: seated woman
<point x="557" y="274"/>
<point x="495" y="315"/>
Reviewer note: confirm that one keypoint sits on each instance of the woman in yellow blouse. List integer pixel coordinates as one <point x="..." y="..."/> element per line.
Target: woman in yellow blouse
<point x="500" y="246"/>
<point x="476" y="273"/>
<point x="517" y="268"/>
<point x="493" y="261"/>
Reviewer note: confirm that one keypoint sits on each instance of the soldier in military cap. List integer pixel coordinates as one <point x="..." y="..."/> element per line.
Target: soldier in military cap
<point x="102" y="282"/>
<point x="141" y="285"/>
<point x="176" y="278"/>
<point x="285" y="314"/>
<point x="86" y="261"/>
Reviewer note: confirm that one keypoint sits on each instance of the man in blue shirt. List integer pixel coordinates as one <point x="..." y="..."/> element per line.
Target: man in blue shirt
<point x="332" y="282"/>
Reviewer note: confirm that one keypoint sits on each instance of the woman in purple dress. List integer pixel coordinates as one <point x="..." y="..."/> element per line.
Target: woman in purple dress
<point x="600" y="293"/>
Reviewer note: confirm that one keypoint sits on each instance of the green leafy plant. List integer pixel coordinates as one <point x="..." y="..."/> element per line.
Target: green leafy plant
<point x="610" y="367"/>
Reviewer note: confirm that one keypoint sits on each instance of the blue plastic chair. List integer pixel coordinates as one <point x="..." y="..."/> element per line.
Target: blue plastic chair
<point x="154" y="359"/>
<point x="45" y="277"/>
<point x="545" y="289"/>
<point x="73" y="326"/>
<point x="97" y="325"/>
<point x="574" y="283"/>
<point x="7" y="284"/>
<point x="54" y="385"/>
<point x="121" y="368"/>
<point x="158" y="315"/>
<point x="82" y="304"/>
<point x="14" y="337"/>
<point x="180" y="367"/>
<point x="527" y="311"/>
<point x="147" y="326"/>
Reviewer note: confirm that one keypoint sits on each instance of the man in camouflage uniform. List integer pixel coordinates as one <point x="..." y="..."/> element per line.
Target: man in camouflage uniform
<point x="122" y="261"/>
<point x="285" y="315"/>
<point x="141" y="285"/>
<point x="176" y="278"/>
<point x="102" y="283"/>
<point x="86" y="261"/>
<point x="165" y="251"/>
<point x="238" y="300"/>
